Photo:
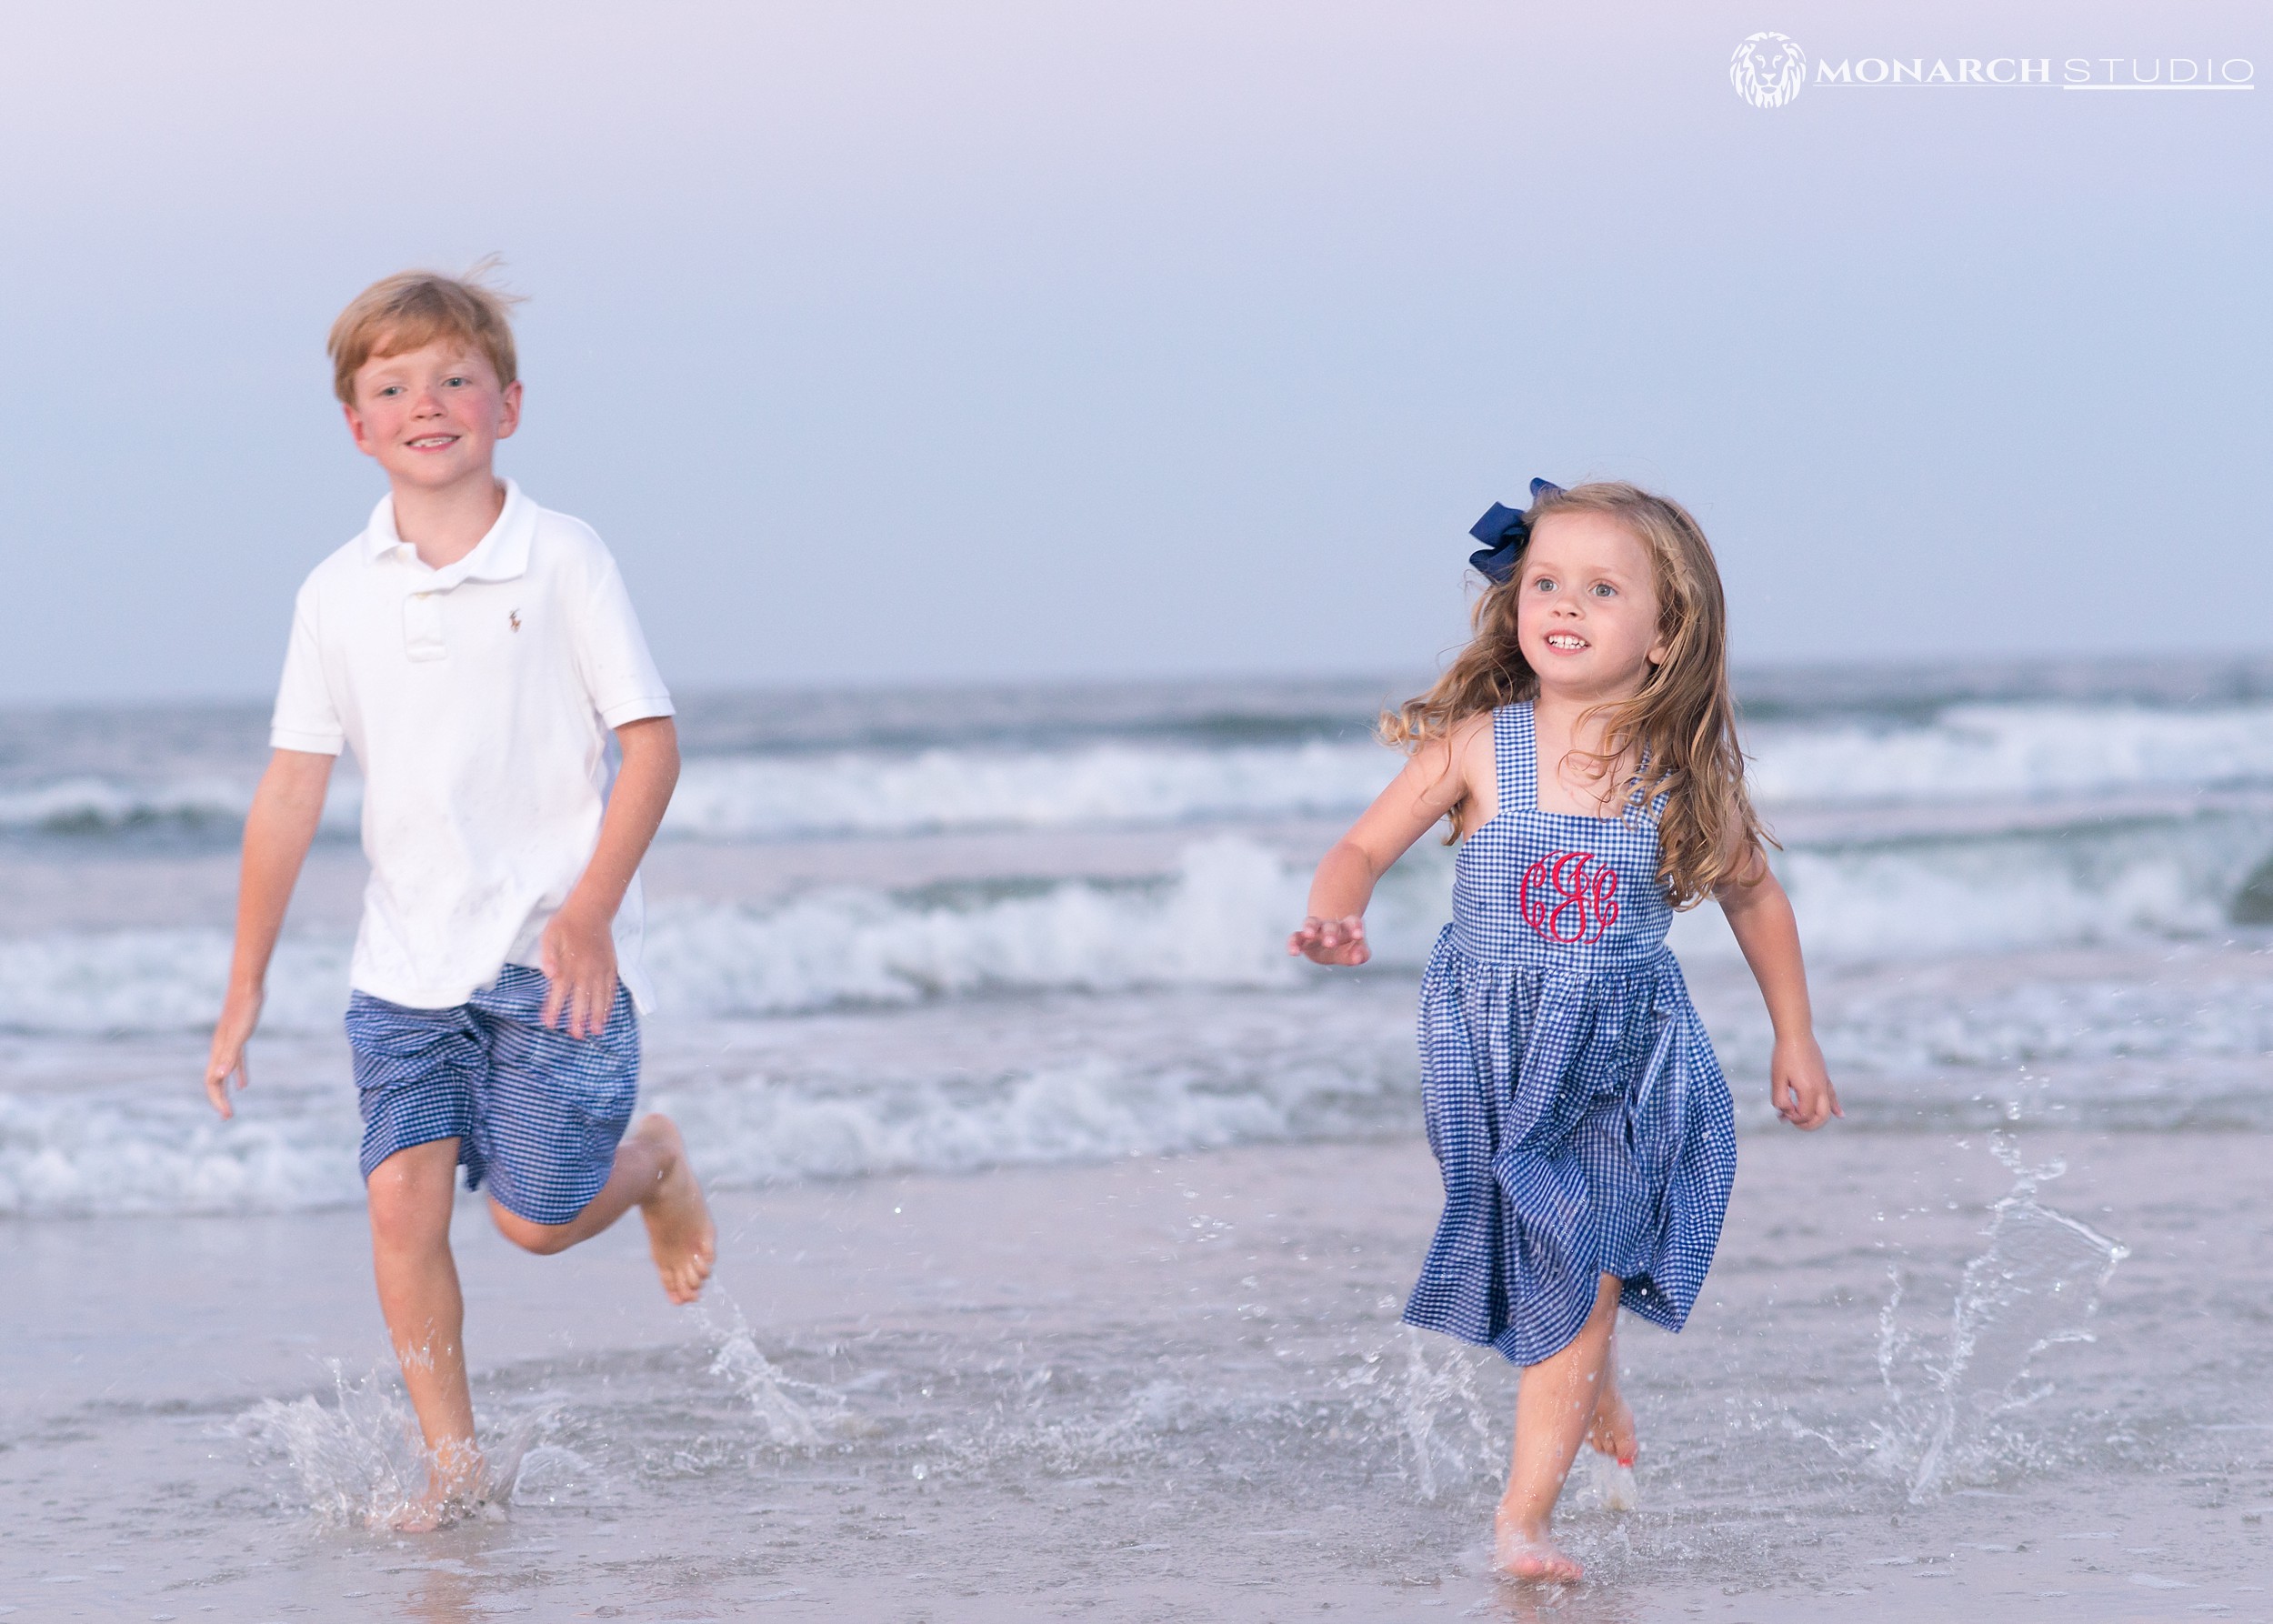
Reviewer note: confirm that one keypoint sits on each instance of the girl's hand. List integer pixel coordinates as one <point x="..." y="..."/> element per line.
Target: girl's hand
<point x="1799" y="1085"/>
<point x="1331" y="941"/>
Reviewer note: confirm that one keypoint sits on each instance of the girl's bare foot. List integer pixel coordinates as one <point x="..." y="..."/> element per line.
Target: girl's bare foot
<point x="1524" y="1550"/>
<point x="1611" y="1431"/>
<point x="679" y="1232"/>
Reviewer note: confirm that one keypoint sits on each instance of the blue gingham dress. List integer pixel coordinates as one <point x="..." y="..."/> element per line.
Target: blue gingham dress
<point x="1573" y="1098"/>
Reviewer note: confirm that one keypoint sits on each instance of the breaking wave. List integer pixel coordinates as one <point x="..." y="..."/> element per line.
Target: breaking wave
<point x="1218" y="921"/>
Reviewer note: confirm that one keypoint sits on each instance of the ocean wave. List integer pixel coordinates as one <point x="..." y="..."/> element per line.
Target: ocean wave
<point x="2023" y="752"/>
<point x="2015" y="752"/>
<point x="2085" y="884"/>
<point x="938" y="790"/>
<point x="1070" y="1079"/>
<point x="167" y="1152"/>
<point x="101" y="805"/>
<point x="1220" y="920"/>
<point x="117" y="983"/>
<point x="1965" y="753"/>
<point x="1202" y="1073"/>
<point x="95" y="806"/>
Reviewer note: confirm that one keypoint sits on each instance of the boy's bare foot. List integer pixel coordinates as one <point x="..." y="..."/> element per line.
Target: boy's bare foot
<point x="679" y="1232"/>
<point x="1524" y="1550"/>
<point x="431" y="1512"/>
<point x="458" y="1481"/>
<point x="1611" y="1431"/>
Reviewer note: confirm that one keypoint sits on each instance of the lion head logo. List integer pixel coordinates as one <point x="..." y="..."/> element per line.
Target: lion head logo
<point x="1767" y="69"/>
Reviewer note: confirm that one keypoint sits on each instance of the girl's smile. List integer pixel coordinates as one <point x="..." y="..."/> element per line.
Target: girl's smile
<point x="1587" y="613"/>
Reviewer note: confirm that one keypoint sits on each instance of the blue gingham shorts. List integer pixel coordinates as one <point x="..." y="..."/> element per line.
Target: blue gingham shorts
<point x="536" y="1112"/>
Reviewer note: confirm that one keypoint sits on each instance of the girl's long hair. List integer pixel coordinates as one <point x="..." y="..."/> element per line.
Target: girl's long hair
<point x="1682" y="724"/>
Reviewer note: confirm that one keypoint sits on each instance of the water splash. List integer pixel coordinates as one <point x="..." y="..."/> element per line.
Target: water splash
<point x="360" y="1462"/>
<point x="1422" y="1392"/>
<point x="2038" y="1285"/>
<point x="1598" y="1483"/>
<point x="794" y="1413"/>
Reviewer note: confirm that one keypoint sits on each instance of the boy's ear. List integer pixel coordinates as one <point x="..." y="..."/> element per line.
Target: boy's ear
<point x="354" y="429"/>
<point x="509" y="418"/>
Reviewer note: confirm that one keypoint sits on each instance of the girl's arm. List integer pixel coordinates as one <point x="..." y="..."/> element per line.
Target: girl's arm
<point x="279" y="827"/>
<point x="1760" y="916"/>
<point x="1437" y="779"/>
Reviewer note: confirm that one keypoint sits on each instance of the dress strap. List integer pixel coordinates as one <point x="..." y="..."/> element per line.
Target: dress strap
<point x="1514" y="759"/>
<point x="1656" y="810"/>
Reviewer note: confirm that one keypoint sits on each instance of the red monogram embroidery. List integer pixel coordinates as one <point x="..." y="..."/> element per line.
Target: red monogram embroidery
<point x="1588" y="905"/>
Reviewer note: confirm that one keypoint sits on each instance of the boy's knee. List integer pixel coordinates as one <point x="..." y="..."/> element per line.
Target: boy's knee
<point x="411" y="1194"/>
<point x="544" y="1239"/>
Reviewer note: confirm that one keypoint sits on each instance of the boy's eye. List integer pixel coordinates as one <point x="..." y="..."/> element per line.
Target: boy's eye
<point x="387" y="389"/>
<point x="453" y="381"/>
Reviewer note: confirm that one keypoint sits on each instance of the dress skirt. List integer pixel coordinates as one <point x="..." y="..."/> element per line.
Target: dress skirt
<point x="1584" y="1129"/>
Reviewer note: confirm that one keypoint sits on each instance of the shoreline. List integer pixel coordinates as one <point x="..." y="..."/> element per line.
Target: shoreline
<point x="1161" y="1385"/>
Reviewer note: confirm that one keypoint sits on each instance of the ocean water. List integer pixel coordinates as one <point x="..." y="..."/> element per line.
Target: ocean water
<point x="1013" y="956"/>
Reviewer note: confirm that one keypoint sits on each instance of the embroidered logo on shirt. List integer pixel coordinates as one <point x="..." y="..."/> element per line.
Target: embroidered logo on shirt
<point x="1588" y="905"/>
<point x="514" y="615"/>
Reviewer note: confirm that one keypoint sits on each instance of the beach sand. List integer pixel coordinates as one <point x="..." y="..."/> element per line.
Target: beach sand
<point x="1172" y="1388"/>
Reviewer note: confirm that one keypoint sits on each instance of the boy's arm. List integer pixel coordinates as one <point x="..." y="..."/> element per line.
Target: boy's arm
<point x="278" y="830"/>
<point x="1759" y="915"/>
<point x="578" y="955"/>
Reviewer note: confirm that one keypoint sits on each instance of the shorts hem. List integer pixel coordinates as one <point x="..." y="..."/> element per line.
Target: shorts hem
<point x="368" y="1164"/>
<point x="546" y="1208"/>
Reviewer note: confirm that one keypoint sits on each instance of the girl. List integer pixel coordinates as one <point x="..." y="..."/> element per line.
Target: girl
<point x="1584" y="747"/>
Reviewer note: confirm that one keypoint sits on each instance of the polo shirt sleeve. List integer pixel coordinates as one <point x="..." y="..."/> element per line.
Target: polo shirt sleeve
<point x="619" y="672"/>
<point x="306" y="718"/>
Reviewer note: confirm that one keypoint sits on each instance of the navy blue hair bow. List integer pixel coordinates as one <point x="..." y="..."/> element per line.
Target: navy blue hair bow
<point x="1503" y="533"/>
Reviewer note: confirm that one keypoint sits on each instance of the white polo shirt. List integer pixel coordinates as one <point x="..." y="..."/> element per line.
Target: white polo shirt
<point x="478" y="699"/>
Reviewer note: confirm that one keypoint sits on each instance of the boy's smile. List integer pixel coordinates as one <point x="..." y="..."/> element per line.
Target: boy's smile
<point x="432" y="417"/>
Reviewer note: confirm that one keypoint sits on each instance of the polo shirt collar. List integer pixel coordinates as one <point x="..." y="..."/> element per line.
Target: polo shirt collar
<point x="502" y="554"/>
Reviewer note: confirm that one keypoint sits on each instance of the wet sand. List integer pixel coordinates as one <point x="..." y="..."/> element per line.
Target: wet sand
<point x="1157" y="1388"/>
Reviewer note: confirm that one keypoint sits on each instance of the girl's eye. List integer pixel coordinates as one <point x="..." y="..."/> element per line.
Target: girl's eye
<point x="1603" y="590"/>
<point x="1543" y="584"/>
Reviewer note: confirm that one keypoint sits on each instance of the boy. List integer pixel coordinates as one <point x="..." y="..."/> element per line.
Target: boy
<point x="473" y="649"/>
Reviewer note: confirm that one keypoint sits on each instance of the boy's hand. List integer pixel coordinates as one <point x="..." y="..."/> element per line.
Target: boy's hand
<point x="578" y="958"/>
<point x="1799" y="1086"/>
<point x="240" y="1013"/>
<point x="1331" y="941"/>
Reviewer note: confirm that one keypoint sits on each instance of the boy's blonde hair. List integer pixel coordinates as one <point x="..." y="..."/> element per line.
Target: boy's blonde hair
<point x="1683" y="720"/>
<point x="410" y="310"/>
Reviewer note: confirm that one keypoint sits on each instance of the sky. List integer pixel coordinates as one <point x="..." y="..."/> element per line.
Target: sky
<point x="1080" y="339"/>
